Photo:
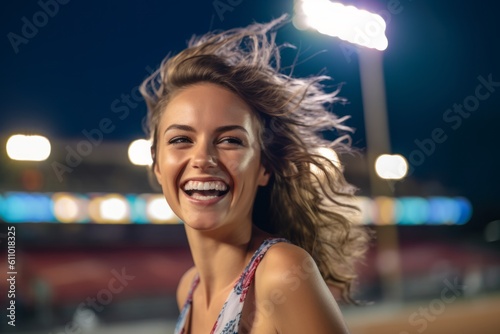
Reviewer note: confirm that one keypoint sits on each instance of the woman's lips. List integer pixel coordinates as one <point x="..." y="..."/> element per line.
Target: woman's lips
<point x="206" y="197"/>
<point x="205" y="190"/>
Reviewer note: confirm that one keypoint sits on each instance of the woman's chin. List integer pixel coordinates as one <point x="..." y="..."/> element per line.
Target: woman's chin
<point x="205" y="223"/>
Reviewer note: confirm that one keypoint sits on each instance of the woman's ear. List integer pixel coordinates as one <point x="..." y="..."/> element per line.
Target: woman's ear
<point x="157" y="173"/>
<point x="156" y="169"/>
<point x="264" y="175"/>
<point x="153" y="180"/>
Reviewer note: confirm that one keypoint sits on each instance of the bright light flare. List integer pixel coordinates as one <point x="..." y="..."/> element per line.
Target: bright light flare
<point x="28" y="147"/>
<point x="391" y="167"/>
<point x="69" y="208"/>
<point x="139" y="152"/>
<point x="328" y="153"/>
<point x="158" y="211"/>
<point x="112" y="208"/>
<point x="349" y="23"/>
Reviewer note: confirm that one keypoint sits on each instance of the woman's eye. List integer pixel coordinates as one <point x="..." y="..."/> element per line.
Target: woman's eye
<point x="179" y="140"/>
<point x="231" y="140"/>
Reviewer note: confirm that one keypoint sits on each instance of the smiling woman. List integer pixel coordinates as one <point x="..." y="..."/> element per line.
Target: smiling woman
<point x="235" y="150"/>
<point x="208" y="158"/>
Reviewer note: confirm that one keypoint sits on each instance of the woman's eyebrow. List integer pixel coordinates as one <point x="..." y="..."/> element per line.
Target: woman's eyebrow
<point x="220" y="129"/>
<point x="226" y="128"/>
<point x="180" y="127"/>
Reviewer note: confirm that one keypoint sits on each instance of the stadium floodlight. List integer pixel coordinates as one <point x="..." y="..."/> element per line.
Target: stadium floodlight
<point x="139" y="152"/>
<point x="391" y="166"/>
<point x="348" y="23"/>
<point x="28" y="147"/>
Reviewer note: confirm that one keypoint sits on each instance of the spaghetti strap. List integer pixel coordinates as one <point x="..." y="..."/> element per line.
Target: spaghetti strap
<point x="230" y="315"/>
<point x="180" y="327"/>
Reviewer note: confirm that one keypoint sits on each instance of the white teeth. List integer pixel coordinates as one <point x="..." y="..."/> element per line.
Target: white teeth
<point x="202" y="198"/>
<point x="211" y="185"/>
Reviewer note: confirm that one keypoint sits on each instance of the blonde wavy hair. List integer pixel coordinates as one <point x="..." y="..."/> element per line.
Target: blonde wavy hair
<point x="307" y="200"/>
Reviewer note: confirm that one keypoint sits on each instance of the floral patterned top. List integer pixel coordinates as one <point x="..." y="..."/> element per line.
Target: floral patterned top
<point x="229" y="317"/>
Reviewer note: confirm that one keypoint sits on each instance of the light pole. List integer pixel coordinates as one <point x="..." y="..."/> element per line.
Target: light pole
<point x="363" y="28"/>
<point x="378" y="143"/>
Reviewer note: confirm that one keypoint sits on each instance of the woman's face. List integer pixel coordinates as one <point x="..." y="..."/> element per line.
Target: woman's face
<point x="208" y="157"/>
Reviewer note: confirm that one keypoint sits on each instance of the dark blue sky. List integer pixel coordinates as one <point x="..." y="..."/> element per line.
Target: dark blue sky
<point x="73" y="71"/>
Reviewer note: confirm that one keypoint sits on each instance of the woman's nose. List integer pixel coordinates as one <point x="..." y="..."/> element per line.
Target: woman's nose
<point x="203" y="157"/>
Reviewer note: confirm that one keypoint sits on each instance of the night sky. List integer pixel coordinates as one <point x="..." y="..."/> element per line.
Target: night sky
<point x="76" y="67"/>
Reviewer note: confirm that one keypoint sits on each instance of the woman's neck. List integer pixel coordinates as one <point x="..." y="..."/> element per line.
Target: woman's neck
<point x="220" y="257"/>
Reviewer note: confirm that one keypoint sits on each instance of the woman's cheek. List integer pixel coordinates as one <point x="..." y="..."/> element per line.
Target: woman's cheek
<point x="172" y="158"/>
<point x="233" y="166"/>
<point x="241" y="162"/>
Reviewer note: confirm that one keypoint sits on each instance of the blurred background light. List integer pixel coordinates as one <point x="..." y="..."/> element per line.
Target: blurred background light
<point x="28" y="147"/>
<point x="329" y="154"/>
<point x="158" y="210"/>
<point x="443" y="210"/>
<point x="299" y="19"/>
<point x="345" y="22"/>
<point x="492" y="231"/>
<point x="384" y="214"/>
<point x="27" y="207"/>
<point x="138" y="208"/>
<point x="139" y="152"/>
<point x="412" y="210"/>
<point x="153" y="208"/>
<point x="465" y="210"/>
<point x="365" y="205"/>
<point x="2" y="206"/>
<point x="69" y="208"/>
<point x="391" y="167"/>
<point x="109" y="208"/>
<point x="114" y="208"/>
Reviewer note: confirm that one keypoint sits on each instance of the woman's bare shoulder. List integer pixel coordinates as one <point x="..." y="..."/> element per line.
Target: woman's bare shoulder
<point x="282" y="260"/>
<point x="184" y="286"/>
<point x="288" y="282"/>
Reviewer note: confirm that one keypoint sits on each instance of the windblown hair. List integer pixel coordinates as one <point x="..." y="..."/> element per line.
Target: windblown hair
<point x="308" y="201"/>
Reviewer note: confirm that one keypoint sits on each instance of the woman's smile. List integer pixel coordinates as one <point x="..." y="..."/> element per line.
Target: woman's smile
<point x="205" y="191"/>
